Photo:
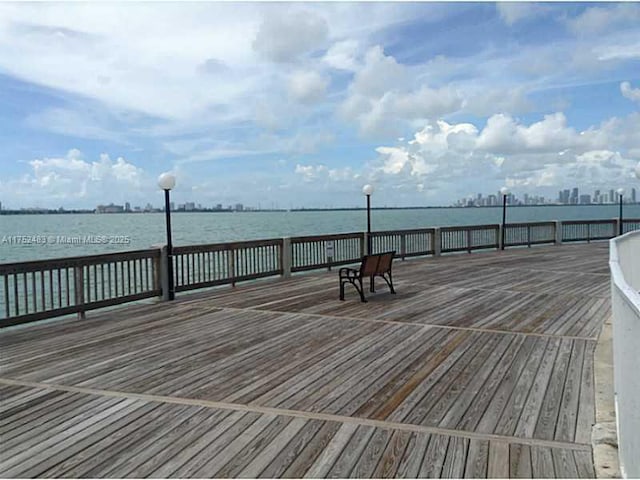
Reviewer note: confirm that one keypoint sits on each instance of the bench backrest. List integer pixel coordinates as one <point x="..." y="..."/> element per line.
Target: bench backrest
<point x="385" y="262"/>
<point x="376" y="264"/>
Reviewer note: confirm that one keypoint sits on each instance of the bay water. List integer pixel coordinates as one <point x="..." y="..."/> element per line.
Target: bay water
<point x="35" y="237"/>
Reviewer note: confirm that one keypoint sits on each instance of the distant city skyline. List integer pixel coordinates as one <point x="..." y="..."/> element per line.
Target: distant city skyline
<point x="301" y="104"/>
<point x="567" y="196"/>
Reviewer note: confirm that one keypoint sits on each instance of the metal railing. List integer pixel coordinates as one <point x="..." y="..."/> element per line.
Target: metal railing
<point x="326" y="251"/>
<point x="587" y="230"/>
<point x="50" y="288"/>
<point x="469" y="238"/>
<point x="42" y="289"/>
<point x="630" y="225"/>
<point x="201" y="266"/>
<point x="406" y="243"/>
<point x="519" y="234"/>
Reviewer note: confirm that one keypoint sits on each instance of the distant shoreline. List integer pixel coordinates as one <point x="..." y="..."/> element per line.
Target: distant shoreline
<point x="337" y="209"/>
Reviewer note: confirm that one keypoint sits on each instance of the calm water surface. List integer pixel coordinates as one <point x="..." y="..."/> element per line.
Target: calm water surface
<point x="144" y="230"/>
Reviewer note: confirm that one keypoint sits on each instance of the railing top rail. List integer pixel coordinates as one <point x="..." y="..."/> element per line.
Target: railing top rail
<point x="212" y="247"/>
<point x="403" y="232"/>
<point x="461" y="228"/>
<point x="334" y="236"/>
<point x="35" y="265"/>
<point x="531" y="224"/>
<point x="591" y="222"/>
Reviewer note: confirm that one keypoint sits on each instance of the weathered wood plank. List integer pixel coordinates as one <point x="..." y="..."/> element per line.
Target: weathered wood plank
<point x="542" y="462"/>
<point x="392" y="455"/>
<point x="477" y="459"/>
<point x="434" y="456"/>
<point x="498" y="464"/>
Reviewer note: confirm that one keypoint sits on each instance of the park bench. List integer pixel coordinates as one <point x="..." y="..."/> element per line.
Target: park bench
<point x="378" y="265"/>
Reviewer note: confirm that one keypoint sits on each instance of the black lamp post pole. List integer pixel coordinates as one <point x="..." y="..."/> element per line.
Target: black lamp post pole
<point x="167" y="212"/>
<point x="504" y="219"/>
<point x="620" y="216"/>
<point x="368" y="224"/>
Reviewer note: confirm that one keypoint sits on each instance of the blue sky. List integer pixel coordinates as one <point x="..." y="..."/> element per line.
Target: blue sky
<point x="301" y="104"/>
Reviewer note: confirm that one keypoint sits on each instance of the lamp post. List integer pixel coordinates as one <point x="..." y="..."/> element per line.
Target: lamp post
<point x="504" y="191"/>
<point x="368" y="190"/>
<point x="167" y="181"/>
<point x="620" y="195"/>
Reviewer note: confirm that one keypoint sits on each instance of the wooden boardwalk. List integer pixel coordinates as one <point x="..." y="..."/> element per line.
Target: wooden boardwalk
<point x="480" y="366"/>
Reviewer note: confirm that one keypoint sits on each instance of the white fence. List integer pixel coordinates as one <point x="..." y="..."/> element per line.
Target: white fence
<point x="625" y="285"/>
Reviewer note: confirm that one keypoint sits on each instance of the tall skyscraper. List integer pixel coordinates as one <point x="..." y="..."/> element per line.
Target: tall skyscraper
<point x="574" y="196"/>
<point x="633" y="195"/>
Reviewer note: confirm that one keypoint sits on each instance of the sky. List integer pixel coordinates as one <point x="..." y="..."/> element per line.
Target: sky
<point x="301" y="104"/>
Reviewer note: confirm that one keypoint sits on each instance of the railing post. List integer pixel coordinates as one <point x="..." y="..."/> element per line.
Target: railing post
<point x="529" y="236"/>
<point x="469" y="240"/>
<point x="363" y="245"/>
<point x="158" y="264"/>
<point x="287" y="257"/>
<point x="501" y="237"/>
<point x="403" y="245"/>
<point x="231" y="266"/>
<point x="164" y="272"/>
<point x="437" y="242"/>
<point x="617" y="227"/>
<point x="558" y="232"/>
<point x="78" y="276"/>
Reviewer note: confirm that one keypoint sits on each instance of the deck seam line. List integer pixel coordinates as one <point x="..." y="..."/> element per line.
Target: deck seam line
<point x="429" y="325"/>
<point x="303" y="414"/>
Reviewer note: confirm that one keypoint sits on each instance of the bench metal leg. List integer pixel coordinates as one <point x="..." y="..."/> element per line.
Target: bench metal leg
<point x="360" y="290"/>
<point x="357" y="283"/>
<point x="372" y="287"/>
<point x="389" y="282"/>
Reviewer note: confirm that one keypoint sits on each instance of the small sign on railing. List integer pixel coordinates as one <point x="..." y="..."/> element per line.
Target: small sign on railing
<point x="330" y="246"/>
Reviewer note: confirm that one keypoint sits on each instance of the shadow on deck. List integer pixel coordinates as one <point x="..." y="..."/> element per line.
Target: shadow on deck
<point x="481" y="365"/>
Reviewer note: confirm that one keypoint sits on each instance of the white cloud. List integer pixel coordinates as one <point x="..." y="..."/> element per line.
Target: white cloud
<point x="381" y="98"/>
<point x="309" y="172"/>
<point x="595" y="20"/>
<point x="322" y="173"/>
<point x="285" y="35"/>
<point x="342" y="55"/>
<point x="542" y="154"/>
<point x="86" y="123"/>
<point x="72" y="178"/>
<point x="307" y="87"/>
<point x="632" y="94"/>
<point x="491" y="101"/>
<point x="514" y="12"/>
<point x="153" y="52"/>
<point x="426" y="102"/>
<point x="379" y="74"/>
<point x="307" y="142"/>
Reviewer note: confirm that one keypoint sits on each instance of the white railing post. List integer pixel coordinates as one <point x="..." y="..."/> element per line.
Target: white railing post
<point x="616" y="227"/>
<point x="437" y="242"/>
<point x="287" y="257"/>
<point x="558" y="232"/>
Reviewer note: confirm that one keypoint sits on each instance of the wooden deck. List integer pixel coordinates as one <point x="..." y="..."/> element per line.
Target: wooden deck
<point x="480" y="366"/>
